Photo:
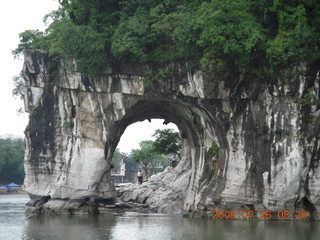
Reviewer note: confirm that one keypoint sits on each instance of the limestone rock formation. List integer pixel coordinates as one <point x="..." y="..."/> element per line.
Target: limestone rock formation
<point x="245" y="144"/>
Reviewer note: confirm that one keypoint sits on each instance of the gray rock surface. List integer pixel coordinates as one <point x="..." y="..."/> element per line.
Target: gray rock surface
<point x="158" y="194"/>
<point x="244" y="143"/>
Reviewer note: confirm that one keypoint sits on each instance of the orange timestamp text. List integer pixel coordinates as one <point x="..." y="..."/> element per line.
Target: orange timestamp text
<point x="263" y="215"/>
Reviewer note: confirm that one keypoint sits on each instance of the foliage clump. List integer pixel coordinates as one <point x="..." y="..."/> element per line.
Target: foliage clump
<point x="213" y="151"/>
<point x="152" y="153"/>
<point x="244" y="36"/>
<point x="11" y="160"/>
<point x="167" y="141"/>
<point x="309" y="98"/>
<point x="147" y="157"/>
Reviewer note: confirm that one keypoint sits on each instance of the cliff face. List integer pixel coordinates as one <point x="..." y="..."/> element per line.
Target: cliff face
<point x="245" y="145"/>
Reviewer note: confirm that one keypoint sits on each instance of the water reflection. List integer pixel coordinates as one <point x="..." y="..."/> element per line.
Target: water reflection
<point x="14" y="225"/>
<point x="164" y="227"/>
<point x="69" y="227"/>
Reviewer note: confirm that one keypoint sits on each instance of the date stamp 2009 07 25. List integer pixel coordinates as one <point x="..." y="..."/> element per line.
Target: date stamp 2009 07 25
<point x="263" y="215"/>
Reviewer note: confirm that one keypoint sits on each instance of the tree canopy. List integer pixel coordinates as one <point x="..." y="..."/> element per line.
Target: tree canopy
<point x="11" y="160"/>
<point x="246" y="36"/>
<point x="167" y="141"/>
<point x="116" y="159"/>
<point x="147" y="157"/>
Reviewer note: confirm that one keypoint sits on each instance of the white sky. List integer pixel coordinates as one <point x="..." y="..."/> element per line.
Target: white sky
<point x="16" y="16"/>
<point x="141" y="131"/>
<point x="20" y="15"/>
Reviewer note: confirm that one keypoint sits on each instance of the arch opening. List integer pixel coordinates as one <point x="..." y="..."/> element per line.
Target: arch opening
<point x="203" y="151"/>
<point x="124" y="167"/>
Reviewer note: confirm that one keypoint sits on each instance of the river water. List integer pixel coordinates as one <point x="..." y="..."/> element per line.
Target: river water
<point x="130" y="226"/>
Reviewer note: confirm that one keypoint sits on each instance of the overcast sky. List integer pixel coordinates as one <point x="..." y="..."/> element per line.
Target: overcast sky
<point x="20" y="15"/>
<point x="16" y="16"/>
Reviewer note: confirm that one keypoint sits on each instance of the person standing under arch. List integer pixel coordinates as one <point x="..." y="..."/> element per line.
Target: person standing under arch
<point x="139" y="175"/>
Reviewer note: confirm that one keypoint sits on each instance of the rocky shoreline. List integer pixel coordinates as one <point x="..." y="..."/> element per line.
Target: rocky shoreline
<point x="157" y="195"/>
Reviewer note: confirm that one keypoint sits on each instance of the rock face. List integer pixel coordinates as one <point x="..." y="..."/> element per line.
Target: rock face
<point x="245" y="144"/>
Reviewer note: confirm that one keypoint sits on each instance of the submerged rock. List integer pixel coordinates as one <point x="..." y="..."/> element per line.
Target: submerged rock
<point x="245" y="144"/>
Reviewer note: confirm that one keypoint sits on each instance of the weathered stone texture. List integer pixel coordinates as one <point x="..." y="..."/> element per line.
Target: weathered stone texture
<point x="268" y="142"/>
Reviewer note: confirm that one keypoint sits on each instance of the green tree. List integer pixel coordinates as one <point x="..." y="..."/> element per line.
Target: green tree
<point x="145" y="155"/>
<point x="18" y="83"/>
<point x="116" y="158"/>
<point x="297" y="32"/>
<point x="248" y="37"/>
<point x="167" y="141"/>
<point x="29" y="39"/>
<point x="11" y="160"/>
<point x="80" y="42"/>
<point x="159" y="163"/>
<point x="131" y="165"/>
<point x="148" y="157"/>
<point x="229" y="35"/>
<point x="131" y="39"/>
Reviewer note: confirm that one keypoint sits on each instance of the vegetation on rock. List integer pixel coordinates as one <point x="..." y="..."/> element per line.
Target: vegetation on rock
<point x="245" y="36"/>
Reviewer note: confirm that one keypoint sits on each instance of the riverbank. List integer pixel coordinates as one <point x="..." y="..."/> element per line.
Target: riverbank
<point x="17" y="191"/>
<point x="132" y="225"/>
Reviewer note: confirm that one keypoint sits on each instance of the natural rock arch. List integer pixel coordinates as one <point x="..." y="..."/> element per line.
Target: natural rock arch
<point x="251" y="134"/>
<point x="197" y="136"/>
